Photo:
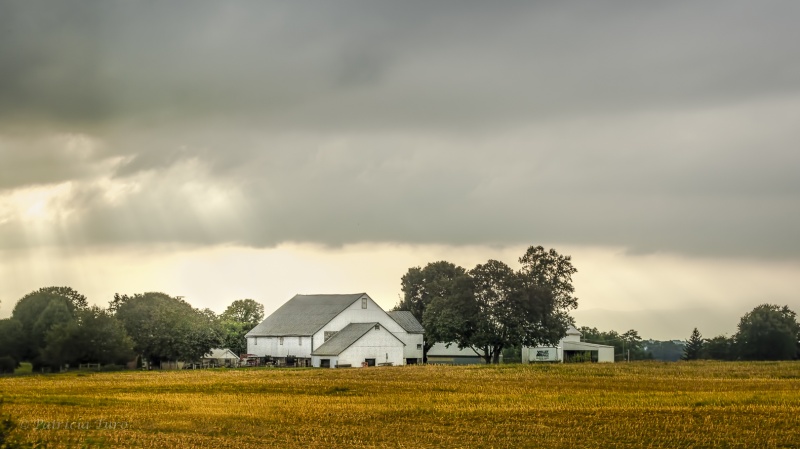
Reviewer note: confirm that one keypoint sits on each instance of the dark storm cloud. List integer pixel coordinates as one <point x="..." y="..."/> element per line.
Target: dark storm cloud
<point x="398" y="64"/>
<point x="656" y="127"/>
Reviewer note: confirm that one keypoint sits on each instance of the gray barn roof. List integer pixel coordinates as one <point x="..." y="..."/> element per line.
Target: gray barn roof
<point x="407" y="321"/>
<point x="303" y="315"/>
<point x="344" y="339"/>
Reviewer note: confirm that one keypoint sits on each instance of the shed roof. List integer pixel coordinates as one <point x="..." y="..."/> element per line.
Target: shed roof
<point x="583" y="346"/>
<point x="221" y="353"/>
<point x="344" y="339"/>
<point x="407" y="321"/>
<point x="443" y="350"/>
<point x="304" y="315"/>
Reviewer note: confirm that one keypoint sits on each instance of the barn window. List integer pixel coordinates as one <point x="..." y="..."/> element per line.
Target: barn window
<point x="300" y="341"/>
<point x="255" y="341"/>
<point x="419" y="346"/>
<point x="280" y="340"/>
<point x="377" y="327"/>
<point x="363" y="303"/>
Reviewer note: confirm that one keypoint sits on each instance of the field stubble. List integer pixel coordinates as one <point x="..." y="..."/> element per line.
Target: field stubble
<point x="703" y="404"/>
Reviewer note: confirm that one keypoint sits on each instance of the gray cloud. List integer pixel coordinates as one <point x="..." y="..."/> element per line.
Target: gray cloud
<point x="654" y="127"/>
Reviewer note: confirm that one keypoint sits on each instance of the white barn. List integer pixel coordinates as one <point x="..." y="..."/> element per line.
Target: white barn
<point x="337" y="330"/>
<point x="568" y="349"/>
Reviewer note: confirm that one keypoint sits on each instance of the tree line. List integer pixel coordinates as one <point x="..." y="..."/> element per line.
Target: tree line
<point x="768" y="332"/>
<point x="494" y="309"/>
<point x="55" y="326"/>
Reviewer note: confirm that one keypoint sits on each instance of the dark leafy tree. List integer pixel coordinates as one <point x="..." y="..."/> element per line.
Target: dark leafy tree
<point x="165" y="328"/>
<point x="497" y="305"/>
<point x="244" y="311"/>
<point x="719" y="348"/>
<point x="768" y="332"/>
<point x="237" y="320"/>
<point x="233" y="336"/>
<point x="453" y="319"/>
<point x="95" y="336"/>
<point x="693" y="349"/>
<point x="422" y="285"/>
<point x="492" y="307"/>
<point x="11" y="339"/>
<point x="633" y="345"/>
<point x="663" y="350"/>
<point x="550" y="270"/>
<point x="7" y="365"/>
<point x="38" y="312"/>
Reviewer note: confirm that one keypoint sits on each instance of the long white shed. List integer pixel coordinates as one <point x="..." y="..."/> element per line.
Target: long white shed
<point x="570" y="348"/>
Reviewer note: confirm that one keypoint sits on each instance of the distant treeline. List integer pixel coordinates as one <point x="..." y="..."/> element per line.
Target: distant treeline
<point x="54" y="327"/>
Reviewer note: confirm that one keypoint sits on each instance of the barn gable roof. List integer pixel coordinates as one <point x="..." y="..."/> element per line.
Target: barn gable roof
<point x="221" y="353"/>
<point x="407" y="321"/>
<point x="304" y="315"/>
<point x="346" y="337"/>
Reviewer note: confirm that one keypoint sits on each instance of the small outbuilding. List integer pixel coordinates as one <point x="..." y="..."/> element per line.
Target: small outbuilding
<point x="220" y="357"/>
<point x="569" y="349"/>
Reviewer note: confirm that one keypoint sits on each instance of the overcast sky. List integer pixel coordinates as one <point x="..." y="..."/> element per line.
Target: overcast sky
<point x="220" y="150"/>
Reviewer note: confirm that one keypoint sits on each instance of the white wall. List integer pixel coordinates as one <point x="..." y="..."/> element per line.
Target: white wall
<point x="316" y="360"/>
<point x="375" y="344"/>
<point x="270" y="346"/>
<point x="410" y="350"/>
<point x="605" y="355"/>
<point x="551" y="354"/>
<point x="355" y="314"/>
<point x="442" y="350"/>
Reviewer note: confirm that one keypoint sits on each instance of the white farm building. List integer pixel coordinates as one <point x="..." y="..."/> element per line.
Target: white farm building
<point x="337" y="330"/>
<point x="570" y="348"/>
<point x="444" y="354"/>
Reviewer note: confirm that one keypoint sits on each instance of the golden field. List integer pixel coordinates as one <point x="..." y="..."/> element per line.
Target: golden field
<point x="645" y="404"/>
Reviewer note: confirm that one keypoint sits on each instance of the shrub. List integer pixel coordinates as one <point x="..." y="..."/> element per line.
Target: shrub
<point x="8" y="365"/>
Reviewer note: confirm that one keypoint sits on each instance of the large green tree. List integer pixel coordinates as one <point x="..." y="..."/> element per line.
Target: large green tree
<point x="165" y="328"/>
<point x="11" y="339"/>
<point x="719" y="348"/>
<point x="95" y="336"/>
<point x="552" y="271"/>
<point x="453" y="319"/>
<point x="237" y="320"/>
<point x="421" y="286"/>
<point x="244" y="311"/>
<point x="768" y="332"/>
<point x="497" y="321"/>
<point x="38" y="312"/>
<point x="492" y="306"/>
